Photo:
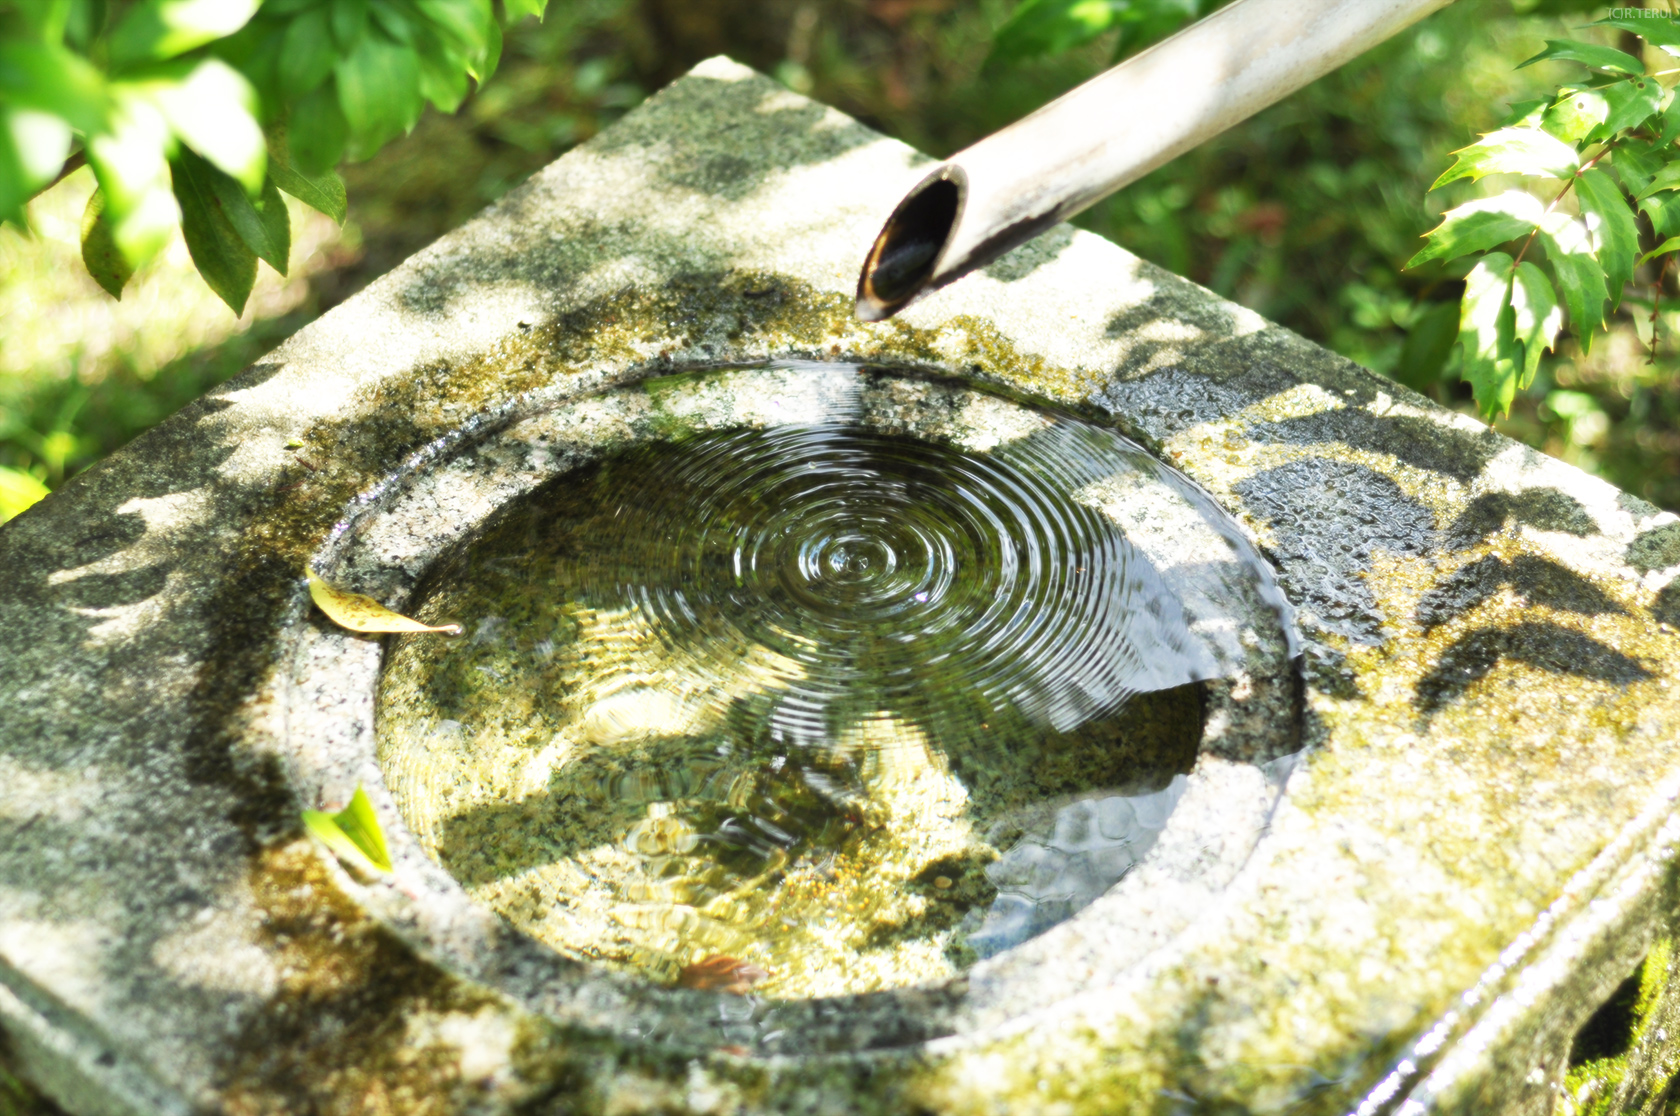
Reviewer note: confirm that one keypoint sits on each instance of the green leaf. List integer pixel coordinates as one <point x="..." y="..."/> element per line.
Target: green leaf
<point x="392" y="20"/>
<point x="1670" y="122"/>
<point x="483" y="63"/>
<point x="39" y="143"/>
<point x="1480" y="225"/>
<point x="214" y="111"/>
<point x="1657" y="28"/>
<point x="133" y="156"/>
<point x="84" y="20"/>
<point x="1536" y="317"/>
<point x="131" y="163"/>
<point x="1664" y="212"/>
<point x="100" y="254"/>
<point x="1513" y="151"/>
<point x="1145" y="23"/>
<point x="1668" y="178"/>
<point x="1579" y="276"/>
<point x="32" y="149"/>
<point x="277" y="227"/>
<point x="50" y="79"/>
<point x="1575" y="114"/>
<point x="222" y="257"/>
<point x="443" y="81"/>
<point x="1670" y="245"/>
<point x="1588" y="54"/>
<point x="1526" y="113"/>
<point x="518" y="9"/>
<point x="467" y="22"/>
<point x="349" y="23"/>
<point x="324" y="191"/>
<point x="353" y="833"/>
<point x="157" y="29"/>
<point x="1635" y="163"/>
<point x="1048" y="27"/>
<point x="262" y="224"/>
<point x="1610" y="223"/>
<point x="317" y="131"/>
<point x="18" y="490"/>
<point x="1630" y="102"/>
<point x="1487" y="329"/>
<point x="1428" y="344"/>
<point x="379" y="91"/>
<point x="43" y="20"/>
<point x="306" y="53"/>
<point x="14" y="184"/>
<point x="255" y="52"/>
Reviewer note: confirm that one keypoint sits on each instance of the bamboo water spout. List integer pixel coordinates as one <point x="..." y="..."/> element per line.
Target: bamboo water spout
<point x="1117" y="127"/>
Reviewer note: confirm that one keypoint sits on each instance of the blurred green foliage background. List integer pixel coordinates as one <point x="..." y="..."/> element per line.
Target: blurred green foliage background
<point x="1305" y="213"/>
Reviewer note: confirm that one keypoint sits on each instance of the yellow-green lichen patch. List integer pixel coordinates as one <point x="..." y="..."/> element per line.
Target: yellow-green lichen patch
<point x="1502" y="720"/>
<point x="1621" y="1061"/>
<point x="359" y="1024"/>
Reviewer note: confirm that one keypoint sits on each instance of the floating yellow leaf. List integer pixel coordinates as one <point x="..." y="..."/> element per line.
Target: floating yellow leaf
<point x="364" y="614"/>
<point x="353" y="833"/>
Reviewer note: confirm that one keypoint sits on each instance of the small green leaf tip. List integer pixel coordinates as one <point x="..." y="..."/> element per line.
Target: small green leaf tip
<point x="1588" y="54"/>
<point x="1513" y="151"/>
<point x="353" y="833"/>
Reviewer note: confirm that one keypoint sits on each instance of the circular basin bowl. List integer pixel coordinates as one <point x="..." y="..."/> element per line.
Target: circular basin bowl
<point x="808" y="707"/>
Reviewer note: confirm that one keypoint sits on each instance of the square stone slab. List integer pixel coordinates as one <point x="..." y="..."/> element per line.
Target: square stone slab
<point x="1469" y="858"/>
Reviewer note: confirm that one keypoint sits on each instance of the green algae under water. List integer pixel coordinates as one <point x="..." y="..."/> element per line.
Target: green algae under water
<point x="813" y="709"/>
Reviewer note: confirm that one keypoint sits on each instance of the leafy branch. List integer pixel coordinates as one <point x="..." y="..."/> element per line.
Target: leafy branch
<point x="200" y="113"/>
<point x="1042" y="28"/>
<point x="1512" y="311"/>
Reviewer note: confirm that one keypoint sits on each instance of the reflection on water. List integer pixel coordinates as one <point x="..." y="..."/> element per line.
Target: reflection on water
<point x="1090" y="844"/>
<point x="807" y="709"/>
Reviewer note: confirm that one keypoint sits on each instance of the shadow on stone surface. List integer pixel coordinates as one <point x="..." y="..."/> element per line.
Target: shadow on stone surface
<point x="802" y="132"/>
<point x="1327" y="518"/>
<point x="1545" y="509"/>
<point x="350" y="1031"/>
<point x="1666" y="610"/>
<point x="114" y="590"/>
<point x="1656" y="549"/>
<point x="1174" y="299"/>
<point x="1173" y="398"/>
<point x="1539" y="581"/>
<point x="161" y="848"/>
<point x="1031" y="256"/>
<point x="1536" y="643"/>
<point x="1419" y="442"/>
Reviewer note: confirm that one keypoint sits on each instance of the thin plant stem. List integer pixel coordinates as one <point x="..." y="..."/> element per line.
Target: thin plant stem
<point x="1656" y="304"/>
<point x="1567" y="186"/>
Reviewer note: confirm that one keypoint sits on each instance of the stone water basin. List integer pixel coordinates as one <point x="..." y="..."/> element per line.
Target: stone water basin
<point x="1464" y="903"/>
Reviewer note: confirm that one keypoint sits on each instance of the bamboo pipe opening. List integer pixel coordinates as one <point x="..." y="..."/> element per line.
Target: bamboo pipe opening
<point x="908" y="250"/>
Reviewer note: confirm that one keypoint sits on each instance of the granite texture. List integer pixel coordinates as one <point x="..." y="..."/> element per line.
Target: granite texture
<point x="1473" y="852"/>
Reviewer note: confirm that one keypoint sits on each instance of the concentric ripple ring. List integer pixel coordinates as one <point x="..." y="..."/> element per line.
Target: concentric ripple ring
<point x="900" y="567"/>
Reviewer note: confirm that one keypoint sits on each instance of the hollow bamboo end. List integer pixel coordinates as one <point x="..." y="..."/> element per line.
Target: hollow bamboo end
<point x="906" y="255"/>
